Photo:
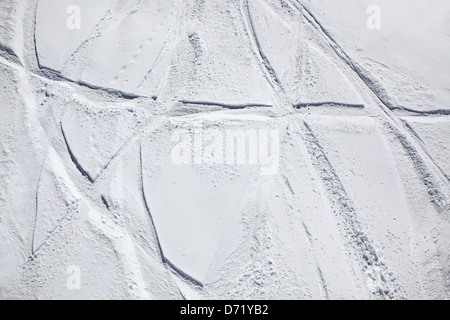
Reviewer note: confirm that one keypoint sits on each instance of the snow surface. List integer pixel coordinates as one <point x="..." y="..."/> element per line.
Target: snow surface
<point x="355" y="204"/>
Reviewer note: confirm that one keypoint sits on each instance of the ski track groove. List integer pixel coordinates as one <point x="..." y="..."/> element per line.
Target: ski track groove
<point x="48" y="236"/>
<point x="411" y="129"/>
<point x="288" y="184"/>
<point x="93" y="35"/>
<point x="338" y="196"/>
<point x="292" y="199"/>
<point x="143" y="45"/>
<point x="265" y="60"/>
<point x="9" y="54"/>
<point x="437" y="198"/>
<point x="163" y="258"/>
<point x="74" y="159"/>
<point x="307" y="14"/>
<point x="437" y="112"/>
<point x="96" y="32"/>
<point x="317" y="153"/>
<point x="119" y="151"/>
<point x="142" y="130"/>
<point x="34" y="35"/>
<point x="149" y="72"/>
<point x="105" y="202"/>
<point x="387" y="109"/>
<point x="51" y="74"/>
<point x="226" y="106"/>
<point x="328" y="104"/>
<point x="34" y="251"/>
<point x="347" y="211"/>
<point x="36" y="212"/>
<point x="323" y="283"/>
<point x="266" y="68"/>
<point x="57" y="76"/>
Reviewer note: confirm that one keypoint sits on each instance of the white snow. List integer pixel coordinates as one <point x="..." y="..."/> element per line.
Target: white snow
<point x="343" y="187"/>
<point x="409" y="54"/>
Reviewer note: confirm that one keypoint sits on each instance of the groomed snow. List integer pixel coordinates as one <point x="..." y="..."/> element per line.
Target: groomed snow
<point x="245" y="149"/>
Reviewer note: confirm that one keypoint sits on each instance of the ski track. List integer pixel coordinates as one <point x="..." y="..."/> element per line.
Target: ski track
<point x="323" y="283"/>
<point x="324" y="287"/>
<point x="434" y="191"/>
<point x="385" y="280"/>
<point x="105" y="202"/>
<point x="353" y="232"/>
<point x="363" y="244"/>
<point x="416" y="135"/>
<point x="369" y="255"/>
<point x="139" y="52"/>
<point x="74" y="159"/>
<point x="36" y="214"/>
<point x="9" y="54"/>
<point x="226" y="106"/>
<point x="437" y="112"/>
<point x="307" y="14"/>
<point x="58" y="76"/>
<point x="35" y="49"/>
<point x="263" y="61"/>
<point x="149" y="72"/>
<point x="164" y="259"/>
<point x="328" y="104"/>
<point x="392" y="122"/>
<point x="96" y="32"/>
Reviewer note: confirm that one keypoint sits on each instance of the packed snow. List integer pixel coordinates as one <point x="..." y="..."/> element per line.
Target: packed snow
<point x="244" y="149"/>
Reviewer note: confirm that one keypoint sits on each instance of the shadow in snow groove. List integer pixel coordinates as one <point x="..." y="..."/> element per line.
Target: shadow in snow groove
<point x="375" y="269"/>
<point x="74" y="159"/>
<point x="226" y="106"/>
<point x="57" y="76"/>
<point x="328" y="104"/>
<point x="164" y="260"/>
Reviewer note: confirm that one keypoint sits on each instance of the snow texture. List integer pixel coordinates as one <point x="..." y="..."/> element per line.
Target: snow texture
<point x="243" y="149"/>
